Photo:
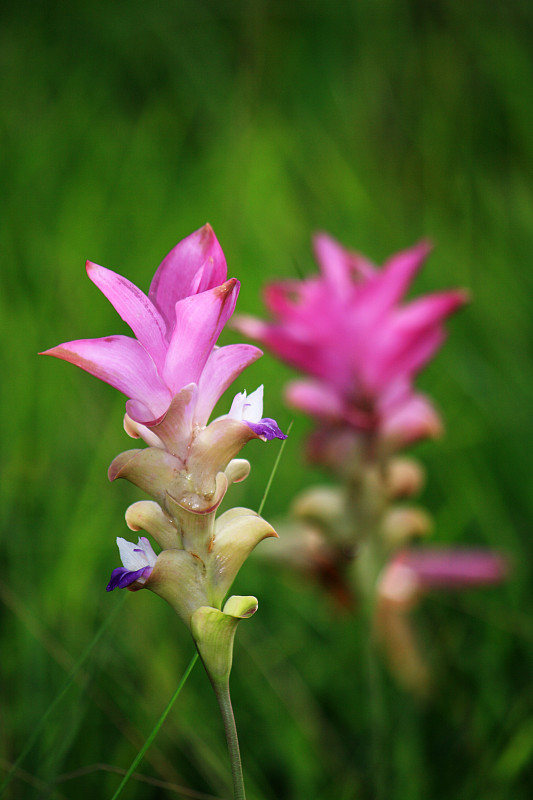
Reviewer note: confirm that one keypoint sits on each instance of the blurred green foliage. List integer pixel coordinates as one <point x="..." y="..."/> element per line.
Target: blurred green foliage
<point x="126" y="126"/>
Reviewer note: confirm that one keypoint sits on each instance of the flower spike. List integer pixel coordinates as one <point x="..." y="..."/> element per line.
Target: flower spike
<point x="173" y="374"/>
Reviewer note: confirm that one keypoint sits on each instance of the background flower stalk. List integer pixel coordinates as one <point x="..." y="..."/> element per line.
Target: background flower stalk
<point x="361" y="346"/>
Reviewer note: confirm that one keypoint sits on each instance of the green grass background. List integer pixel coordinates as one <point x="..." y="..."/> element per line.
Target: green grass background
<point x="127" y="125"/>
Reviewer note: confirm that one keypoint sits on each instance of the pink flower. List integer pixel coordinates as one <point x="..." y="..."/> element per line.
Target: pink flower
<point x="350" y="331"/>
<point x="405" y="580"/>
<point x="176" y="328"/>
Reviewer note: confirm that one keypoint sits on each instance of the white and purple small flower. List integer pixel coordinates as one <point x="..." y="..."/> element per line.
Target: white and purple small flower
<point x="138" y="560"/>
<point x="249" y="409"/>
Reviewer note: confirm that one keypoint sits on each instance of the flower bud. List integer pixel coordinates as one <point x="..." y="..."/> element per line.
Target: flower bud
<point x="237" y="470"/>
<point x="403" y="523"/>
<point x="405" y="477"/>
<point x="324" y="505"/>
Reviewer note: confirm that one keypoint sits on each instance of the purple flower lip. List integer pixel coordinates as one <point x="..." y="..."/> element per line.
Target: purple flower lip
<point x="122" y="577"/>
<point x="267" y="428"/>
<point x="248" y="409"/>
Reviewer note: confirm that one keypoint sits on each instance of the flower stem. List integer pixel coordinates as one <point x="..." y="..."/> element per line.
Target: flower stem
<point x="224" y="701"/>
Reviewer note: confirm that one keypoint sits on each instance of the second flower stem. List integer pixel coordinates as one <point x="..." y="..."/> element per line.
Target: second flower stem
<point x="224" y="701"/>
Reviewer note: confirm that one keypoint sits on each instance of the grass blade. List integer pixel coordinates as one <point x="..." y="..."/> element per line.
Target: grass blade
<point x="55" y="702"/>
<point x="155" y="730"/>
<point x="274" y="470"/>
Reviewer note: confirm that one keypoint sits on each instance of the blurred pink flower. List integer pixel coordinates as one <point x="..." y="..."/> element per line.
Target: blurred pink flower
<point x="349" y="330"/>
<point x="405" y="580"/>
<point x="416" y="571"/>
<point x="176" y="328"/>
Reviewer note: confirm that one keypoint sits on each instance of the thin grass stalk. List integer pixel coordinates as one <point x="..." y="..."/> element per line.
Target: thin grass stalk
<point x="55" y="702"/>
<point x="155" y="730"/>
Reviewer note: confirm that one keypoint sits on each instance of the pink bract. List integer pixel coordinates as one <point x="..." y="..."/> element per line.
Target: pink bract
<point x="428" y="568"/>
<point x="176" y="328"/>
<point x="362" y="346"/>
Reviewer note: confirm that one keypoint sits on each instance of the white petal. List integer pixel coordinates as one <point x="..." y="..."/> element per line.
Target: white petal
<point x="149" y="552"/>
<point x="253" y="407"/>
<point x="130" y="556"/>
<point x="246" y="409"/>
<point x="237" y="406"/>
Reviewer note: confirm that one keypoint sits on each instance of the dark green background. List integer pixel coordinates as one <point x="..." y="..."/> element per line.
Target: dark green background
<point x="126" y="126"/>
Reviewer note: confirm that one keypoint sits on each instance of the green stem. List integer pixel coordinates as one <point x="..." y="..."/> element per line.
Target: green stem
<point x="376" y="707"/>
<point x="369" y="504"/>
<point x="224" y="701"/>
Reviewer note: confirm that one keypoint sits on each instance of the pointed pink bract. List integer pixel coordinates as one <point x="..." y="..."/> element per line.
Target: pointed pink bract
<point x="135" y="309"/>
<point x="194" y="265"/>
<point x="199" y="320"/>
<point x="124" y="364"/>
